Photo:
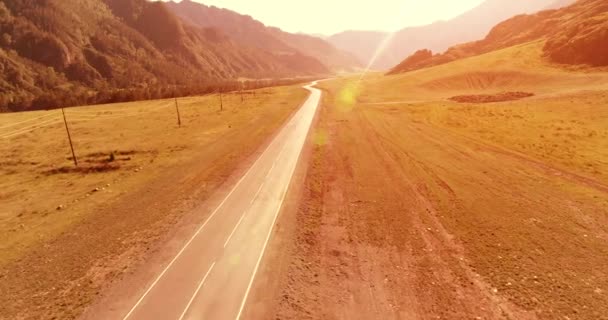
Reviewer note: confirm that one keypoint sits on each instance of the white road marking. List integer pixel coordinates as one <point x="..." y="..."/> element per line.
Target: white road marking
<point x="255" y="196"/>
<point x="274" y="220"/>
<point x="243" y="216"/>
<point x="274" y="163"/>
<point x="200" y="285"/>
<point x="196" y="234"/>
<point x="285" y="135"/>
<point x="257" y="265"/>
<point x="258" y="192"/>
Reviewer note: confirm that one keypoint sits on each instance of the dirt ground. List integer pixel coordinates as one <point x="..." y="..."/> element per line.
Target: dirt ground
<point x="54" y="261"/>
<point x="438" y="210"/>
<point x="488" y="98"/>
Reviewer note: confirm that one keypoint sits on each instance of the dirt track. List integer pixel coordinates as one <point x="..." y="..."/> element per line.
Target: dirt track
<point x="401" y="219"/>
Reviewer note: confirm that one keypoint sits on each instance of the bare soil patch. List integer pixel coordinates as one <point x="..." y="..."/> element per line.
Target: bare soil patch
<point x="489" y="98"/>
<point x="414" y="213"/>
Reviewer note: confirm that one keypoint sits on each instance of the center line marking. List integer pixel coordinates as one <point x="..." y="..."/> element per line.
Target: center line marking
<point x="254" y="197"/>
<point x="284" y="134"/>
<point x="243" y="216"/>
<point x="198" y="231"/>
<point x="291" y="168"/>
<point x="200" y="285"/>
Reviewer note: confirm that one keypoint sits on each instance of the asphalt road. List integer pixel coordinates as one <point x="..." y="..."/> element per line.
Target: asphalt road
<point x="210" y="278"/>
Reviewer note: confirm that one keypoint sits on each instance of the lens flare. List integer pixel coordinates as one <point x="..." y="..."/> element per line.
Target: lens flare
<point x="379" y="50"/>
<point x="320" y="137"/>
<point x="382" y="46"/>
<point x="348" y="96"/>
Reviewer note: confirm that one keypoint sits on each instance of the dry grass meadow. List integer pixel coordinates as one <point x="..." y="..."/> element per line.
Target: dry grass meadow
<point x="66" y="231"/>
<point x="43" y="192"/>
<point x="434" y="209"/>
<point x="565" y="123"/>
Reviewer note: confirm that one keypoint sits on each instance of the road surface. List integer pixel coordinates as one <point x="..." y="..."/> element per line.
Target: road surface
<point x="210" y="278"/>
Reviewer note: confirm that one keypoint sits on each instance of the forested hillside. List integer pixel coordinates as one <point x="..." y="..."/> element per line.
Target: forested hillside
<point x="56" y="53"/>
<point x="247" y="30"/>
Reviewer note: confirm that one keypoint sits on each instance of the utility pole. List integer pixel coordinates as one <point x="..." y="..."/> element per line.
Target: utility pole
<point x="67" y="129"/>
<point x="221" y="102"/>
<point x="179" y="119"/>
<point x="242" y="92"/>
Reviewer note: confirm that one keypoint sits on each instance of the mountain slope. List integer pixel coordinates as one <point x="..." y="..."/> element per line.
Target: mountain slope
<point x="247" y="30"/>
<point x="363" y="44"/>
<point x="440" y="35"/>
<point x="332" y="57"/>
<point x="52" y="50"/>
<point x="574" y="35"/>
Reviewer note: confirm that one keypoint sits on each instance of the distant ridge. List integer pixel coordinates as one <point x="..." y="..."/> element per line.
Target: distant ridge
<point x="58" y="52"/>
<point x="576" y="34"/>
<point x="438" y="36"/>
<point x="246" y="30"/>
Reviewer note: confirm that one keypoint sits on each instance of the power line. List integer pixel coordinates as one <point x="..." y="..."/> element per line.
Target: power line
<point x="91" y="116"/>
<point x="95" y="110"/>
<point x="115" y="116"/>
<point x="28" y="120"/>
<point x="43" y="124"/>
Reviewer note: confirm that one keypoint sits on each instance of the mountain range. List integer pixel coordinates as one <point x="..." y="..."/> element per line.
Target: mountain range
<point x="576" y="35"/>
<point x="57" y="52"/>
<point x="439" y="36"/>
<point x="246" y="30"/>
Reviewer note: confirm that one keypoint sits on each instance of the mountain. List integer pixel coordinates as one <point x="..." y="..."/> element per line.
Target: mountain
<point x="247" y="30"/>
<point x="575" y="35"/>
<point x="52" y="50"/>
<point x="438" y="36"/>
<point x="333" y="58"/>
<point x="318" y="35"/>
<point x="558" y="4"/>
<point x="363" y="44"/>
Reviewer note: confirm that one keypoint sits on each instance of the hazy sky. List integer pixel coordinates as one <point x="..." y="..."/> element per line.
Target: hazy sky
<point x="332" y="16"/>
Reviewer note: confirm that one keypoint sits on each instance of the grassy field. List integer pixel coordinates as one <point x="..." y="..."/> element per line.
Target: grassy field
<point x="565" y="123"/>
<point x="138" y="173"/>
<point x="416" y="206"/>
<point x="518" y="68"/>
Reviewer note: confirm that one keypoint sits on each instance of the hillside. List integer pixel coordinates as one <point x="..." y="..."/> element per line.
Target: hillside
<point x="575" y="35"/>
<point x="438" y="36"/>
<point x="244" y="29"/>
<point x="363" y="44"/>
<point x="56" y="52"/>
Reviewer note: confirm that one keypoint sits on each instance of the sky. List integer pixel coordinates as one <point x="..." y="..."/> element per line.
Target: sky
<point x="328" y="17"/>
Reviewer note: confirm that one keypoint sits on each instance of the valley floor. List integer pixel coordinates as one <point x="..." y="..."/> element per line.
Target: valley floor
<point x="406" y="205"/>
<point x="68" y="234"/>
<point x="440" y="210"/>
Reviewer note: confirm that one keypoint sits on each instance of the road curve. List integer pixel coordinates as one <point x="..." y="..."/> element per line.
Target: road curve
<point x="210" y="278"/>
